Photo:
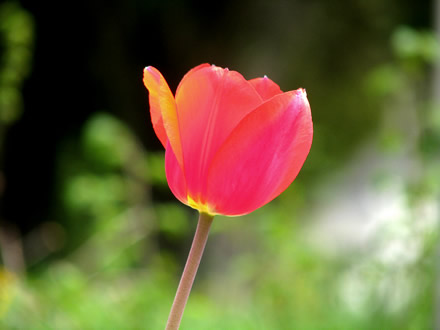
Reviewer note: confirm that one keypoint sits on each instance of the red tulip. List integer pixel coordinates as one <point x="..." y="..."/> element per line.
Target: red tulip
<point x="232" y="145"/>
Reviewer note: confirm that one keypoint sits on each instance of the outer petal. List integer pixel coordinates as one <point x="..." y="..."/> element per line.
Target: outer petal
<point x="262" y="156"/>
<point x="211" y="101"/>
<point x="265" y="87"/>
<point x="175" y="176"/>
<point x="163" y="110"/>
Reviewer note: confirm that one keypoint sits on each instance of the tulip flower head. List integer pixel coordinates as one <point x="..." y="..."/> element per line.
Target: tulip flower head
<point x="232" y="145"/>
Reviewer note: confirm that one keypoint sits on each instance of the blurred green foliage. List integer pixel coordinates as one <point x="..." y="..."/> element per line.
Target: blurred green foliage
<point x="113" y="255"/>
<point x="259" y="271"/>
<point x="16" y="42"/>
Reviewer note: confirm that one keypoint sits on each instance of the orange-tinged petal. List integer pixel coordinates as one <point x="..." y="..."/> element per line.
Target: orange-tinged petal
<point x="211" y="101"/>
<point x="262" y="156"/>
<point x="191" y="72"/>
<point x="265" y="87"/>
<point x="163" y="111"/>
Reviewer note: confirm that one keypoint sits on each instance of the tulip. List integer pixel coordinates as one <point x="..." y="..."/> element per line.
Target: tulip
<point x="232" y="145"/>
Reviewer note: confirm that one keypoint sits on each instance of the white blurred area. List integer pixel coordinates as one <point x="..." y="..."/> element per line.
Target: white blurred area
<point x="367" y="198"/>
<point x="365" y="211"/>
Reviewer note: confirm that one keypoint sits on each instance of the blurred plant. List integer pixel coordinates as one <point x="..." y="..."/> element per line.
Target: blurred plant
<point x="121" y="271"/>
<point x="108" y="175"/>
<point x="6" y="286"/>
<point x="415" y="49"/>
<point x="16" y="45"/>
<point x="396" y="279"/>
<point x="16" y="50"/>
<point x="111" y="253"/>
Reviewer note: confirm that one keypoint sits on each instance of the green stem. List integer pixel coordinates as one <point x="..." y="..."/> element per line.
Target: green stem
<point x="189" y="273"/>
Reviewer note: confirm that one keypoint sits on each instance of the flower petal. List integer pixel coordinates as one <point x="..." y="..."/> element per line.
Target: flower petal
<point x="265" y="87"/>
<point x="211" y="101"/>
<point x="262" y="156"/>
<point x="163" y="110"/>
<point x="190" y="73"/>
<point x="175" y="176"/>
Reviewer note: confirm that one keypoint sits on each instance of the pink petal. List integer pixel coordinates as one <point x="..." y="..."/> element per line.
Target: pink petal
<point x="175" y="176"/>
<point x="191" y="72"/>
<point x="211" y="101"/>
<point x="262" y="156"/>
<point x="265" y="87"/>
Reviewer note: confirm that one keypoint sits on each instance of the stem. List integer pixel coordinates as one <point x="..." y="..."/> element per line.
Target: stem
<point x="189" y="273"/>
